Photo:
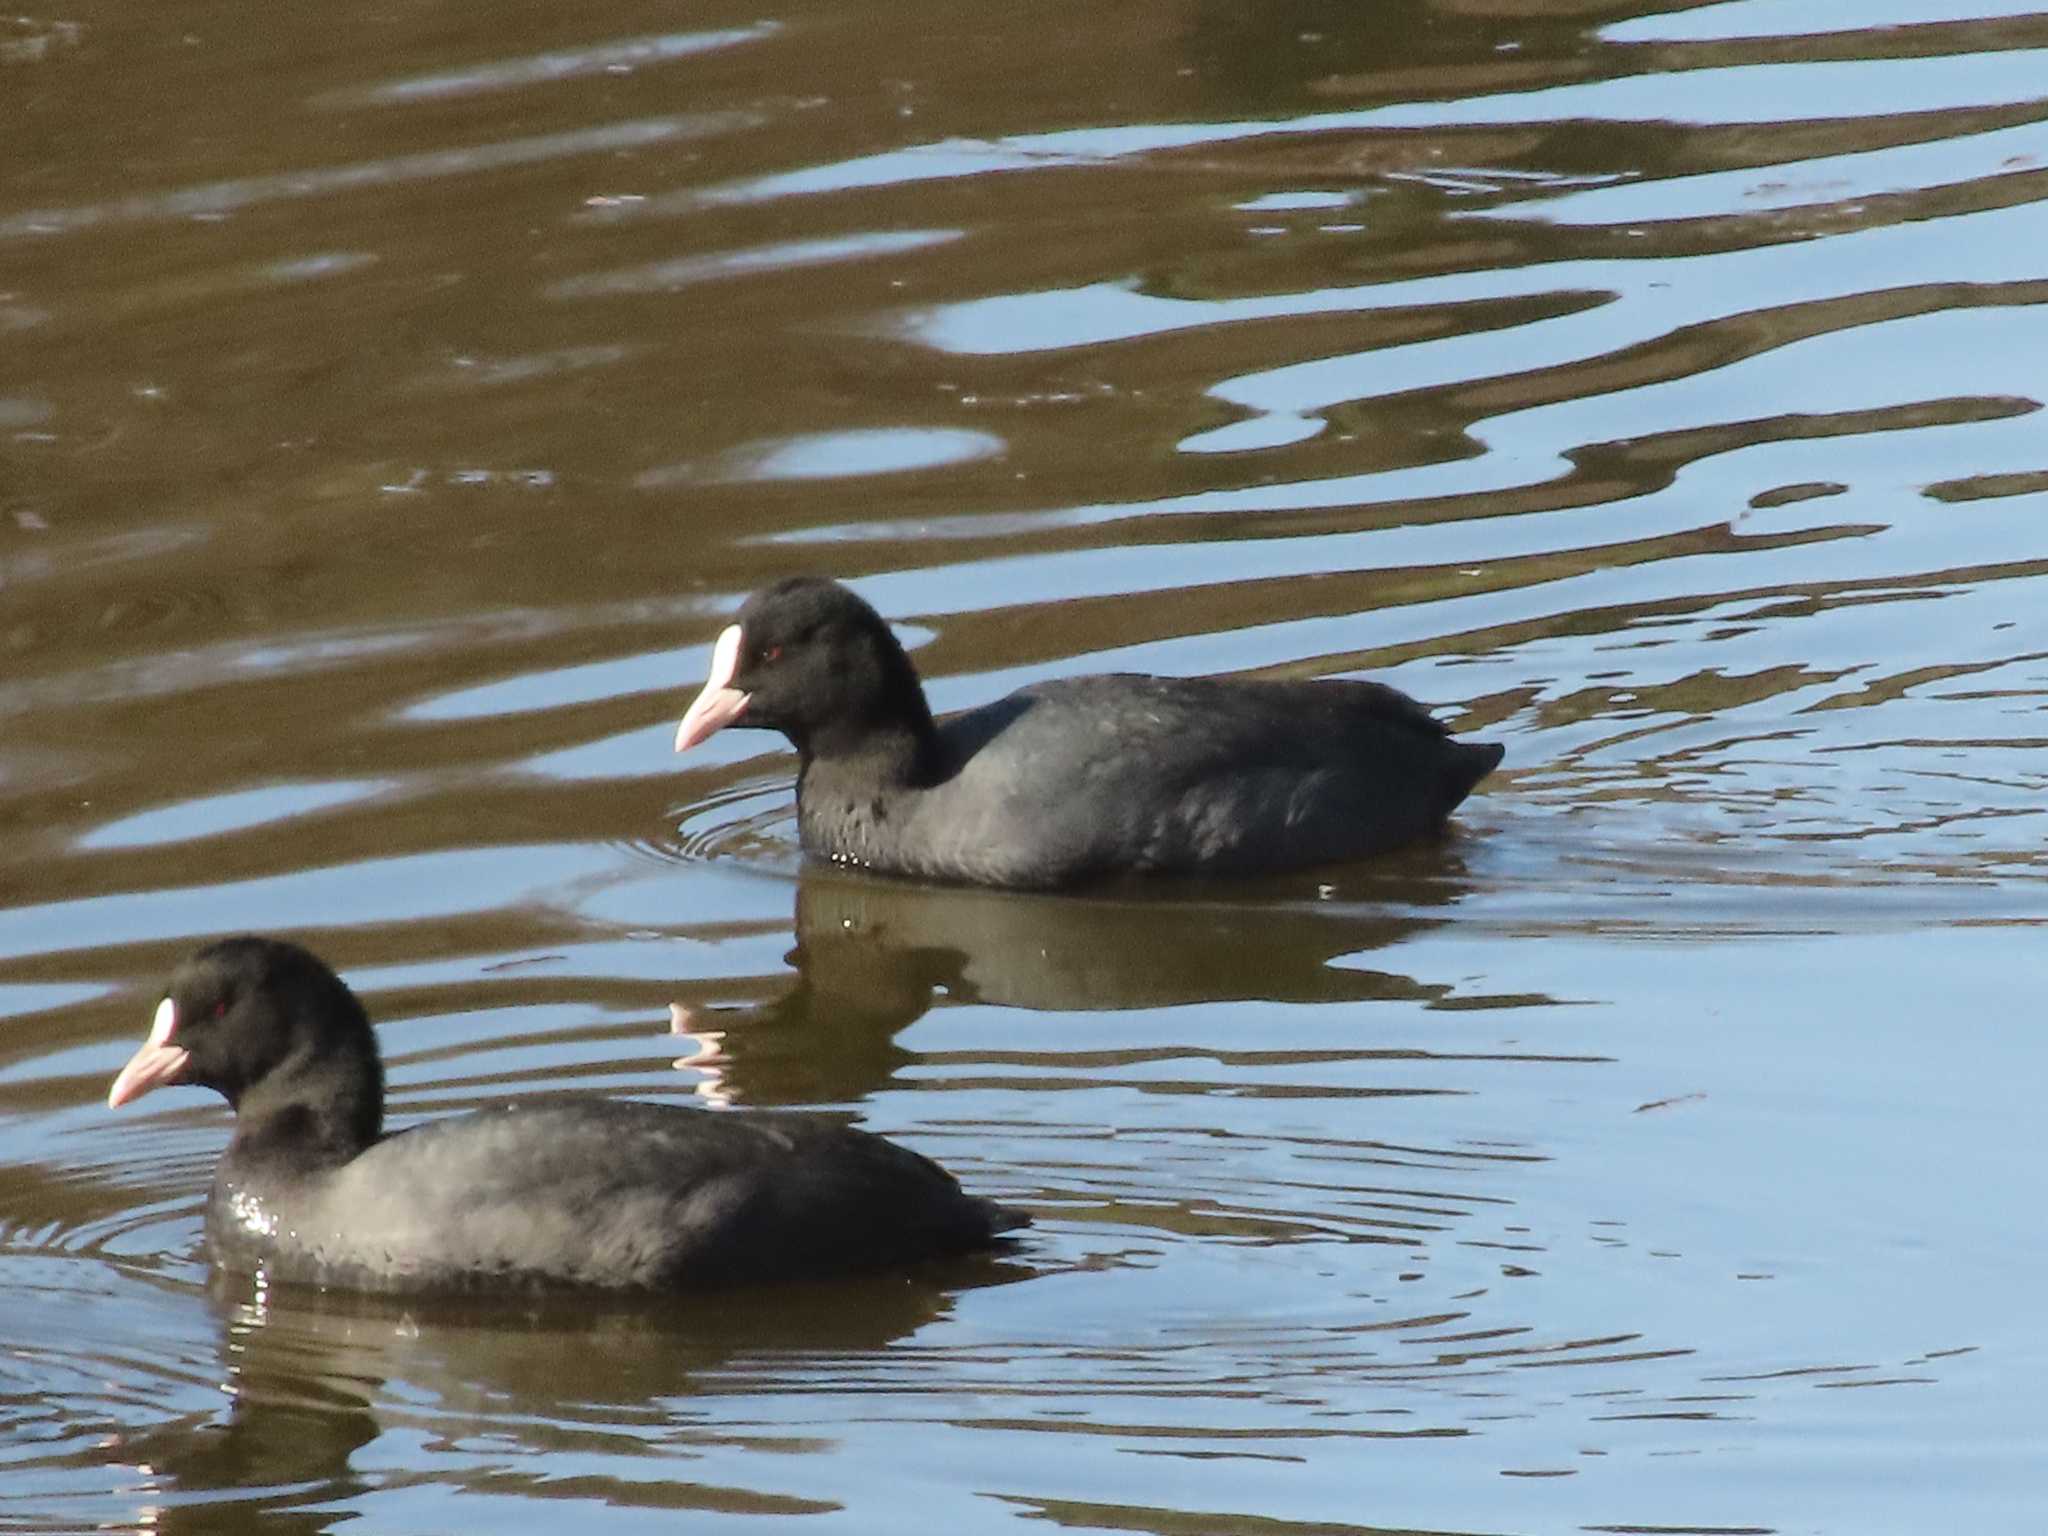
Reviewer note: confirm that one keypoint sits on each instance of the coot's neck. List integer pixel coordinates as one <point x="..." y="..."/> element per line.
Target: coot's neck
<point x="882" y="728"/>
<point x="311" y="1111"/>
<point x="887" y="756"/>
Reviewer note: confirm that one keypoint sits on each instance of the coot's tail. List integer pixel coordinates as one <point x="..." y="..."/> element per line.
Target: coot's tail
<point x="1467" y="764"/>
<point x="1002" y="1218"/>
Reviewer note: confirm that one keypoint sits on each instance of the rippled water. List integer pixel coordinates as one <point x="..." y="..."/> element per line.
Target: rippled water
<point x="393" y="407"/>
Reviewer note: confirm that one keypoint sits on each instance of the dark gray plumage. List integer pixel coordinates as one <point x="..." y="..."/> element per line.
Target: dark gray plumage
<point x="1066" y="782"/>
<point x="562" y="1192"/>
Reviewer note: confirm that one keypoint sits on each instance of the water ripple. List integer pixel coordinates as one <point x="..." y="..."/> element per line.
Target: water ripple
<point x="686" y="271"/>
<point x="214" y="199"/>
<point x="621" y="56"/>
<point x="1746" y="94"/>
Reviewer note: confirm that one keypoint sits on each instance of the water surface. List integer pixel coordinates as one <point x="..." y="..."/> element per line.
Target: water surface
<point x="393" y="409"/>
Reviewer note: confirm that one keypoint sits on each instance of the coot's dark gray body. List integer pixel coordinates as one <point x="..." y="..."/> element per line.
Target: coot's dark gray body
<point x="558" y="1192"/>
<point x="593" y="1193"/>
<point x="1077" y="780"/>
<point x="1083" y="779"/>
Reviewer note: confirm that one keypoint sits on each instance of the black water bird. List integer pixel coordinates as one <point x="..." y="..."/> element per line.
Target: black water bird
<point x="555" y="1192"/>
<point x="1079" y="779"/>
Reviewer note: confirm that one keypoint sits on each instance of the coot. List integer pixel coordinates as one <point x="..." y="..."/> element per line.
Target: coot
<point x="553" y="1192"/>
<point x="1076" y="780"/>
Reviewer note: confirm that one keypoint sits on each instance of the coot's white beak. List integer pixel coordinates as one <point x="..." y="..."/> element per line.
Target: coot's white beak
<point x="158" y="1061"/>
<point x="720" y="703"/>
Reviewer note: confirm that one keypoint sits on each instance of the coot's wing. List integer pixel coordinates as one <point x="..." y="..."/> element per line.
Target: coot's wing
<point x="1071" y="780"/>
<point x="604" y="1193"/>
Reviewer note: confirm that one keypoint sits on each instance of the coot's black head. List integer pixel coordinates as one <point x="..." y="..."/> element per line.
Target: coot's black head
<point x="808" y="658"/>
<point x="268" y="1026"/>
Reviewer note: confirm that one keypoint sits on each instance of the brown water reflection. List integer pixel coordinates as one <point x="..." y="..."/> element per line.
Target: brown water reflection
<point x="308" y="1385"/>
<point x="393" y="408"/>
<point x="872" y="957"/>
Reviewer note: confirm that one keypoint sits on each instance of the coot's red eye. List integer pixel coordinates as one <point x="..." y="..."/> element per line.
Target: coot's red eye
<point x="772" y="653"/>
<point x="220" y="1009"/>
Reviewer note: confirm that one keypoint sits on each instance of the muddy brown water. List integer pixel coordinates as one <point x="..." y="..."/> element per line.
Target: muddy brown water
<point x="394" y="403"/>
